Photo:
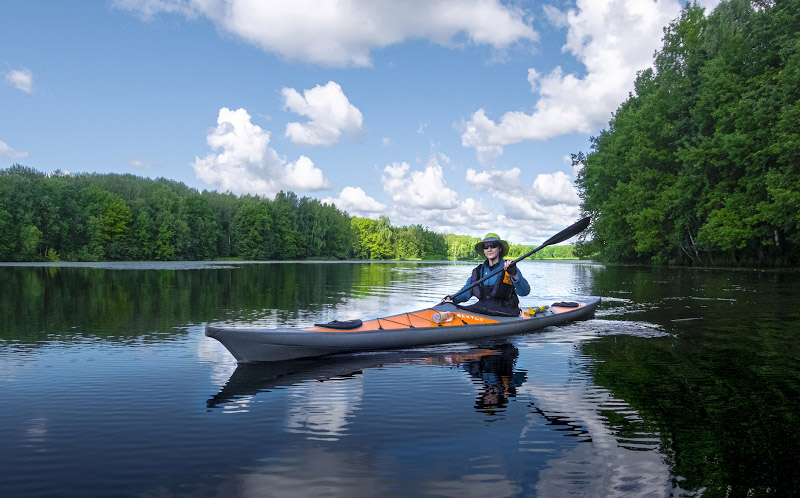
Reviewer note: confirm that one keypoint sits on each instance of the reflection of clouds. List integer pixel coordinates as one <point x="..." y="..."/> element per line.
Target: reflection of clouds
<point x="314" y="472"/>
<point x="556" y="280"/>
<point x="322" y="410"/>
<point x="36" y="431"/>
<point x="479" y="484"/>
<point x="614" y="460"/>
<point x="8" y="370"/>
<point x="214" y="354"/>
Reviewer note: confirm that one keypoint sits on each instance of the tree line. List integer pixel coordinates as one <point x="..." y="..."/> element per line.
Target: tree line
<point x="701" y="165"/>
<point x="112" y="217"/>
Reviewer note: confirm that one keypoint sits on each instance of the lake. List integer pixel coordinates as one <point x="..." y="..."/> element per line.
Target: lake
<point x="685" y="383"/>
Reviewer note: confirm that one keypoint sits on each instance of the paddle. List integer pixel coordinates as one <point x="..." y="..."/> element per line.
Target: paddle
<point x="561" y="236"/>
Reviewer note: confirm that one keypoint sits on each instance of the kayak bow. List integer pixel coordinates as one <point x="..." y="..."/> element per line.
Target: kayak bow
<point x="443" y="323"/>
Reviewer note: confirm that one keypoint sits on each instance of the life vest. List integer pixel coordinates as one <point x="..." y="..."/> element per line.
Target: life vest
<point x="502" y="290"/>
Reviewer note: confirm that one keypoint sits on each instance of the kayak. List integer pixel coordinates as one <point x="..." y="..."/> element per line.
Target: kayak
<point x="443" y="323"/>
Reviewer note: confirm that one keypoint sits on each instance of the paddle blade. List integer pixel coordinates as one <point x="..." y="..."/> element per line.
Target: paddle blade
<point x="568" y="232"/>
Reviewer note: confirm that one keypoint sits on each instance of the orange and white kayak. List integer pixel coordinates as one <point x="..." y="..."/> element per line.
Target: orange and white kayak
<point x="443" y="323"/>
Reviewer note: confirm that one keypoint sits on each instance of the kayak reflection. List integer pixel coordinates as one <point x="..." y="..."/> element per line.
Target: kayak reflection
<point x="491" y="365"/>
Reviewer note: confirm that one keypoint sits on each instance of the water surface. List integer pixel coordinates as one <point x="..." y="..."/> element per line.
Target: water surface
<point x="684" y="384"/>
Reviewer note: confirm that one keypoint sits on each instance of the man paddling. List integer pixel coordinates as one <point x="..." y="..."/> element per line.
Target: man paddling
<point x="498" y="294"/>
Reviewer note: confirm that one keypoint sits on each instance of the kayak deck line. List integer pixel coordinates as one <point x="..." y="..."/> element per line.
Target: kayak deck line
<point x="415" y="328"/>
<point x="410" y="320"/>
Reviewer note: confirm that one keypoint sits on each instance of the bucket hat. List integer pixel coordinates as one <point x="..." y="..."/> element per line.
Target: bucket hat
<point x="492" y="237"/>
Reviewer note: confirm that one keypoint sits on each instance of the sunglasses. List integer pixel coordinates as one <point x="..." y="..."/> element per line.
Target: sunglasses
<point x="491" y="245"/>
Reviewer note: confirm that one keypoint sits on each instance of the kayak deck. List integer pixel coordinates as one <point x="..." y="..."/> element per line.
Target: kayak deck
<point x="439" y="324"/>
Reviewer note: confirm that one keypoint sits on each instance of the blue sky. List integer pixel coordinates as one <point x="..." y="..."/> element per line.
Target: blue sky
<point x="459" y="115"/>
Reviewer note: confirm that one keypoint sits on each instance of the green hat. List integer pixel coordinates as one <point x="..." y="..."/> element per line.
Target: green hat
<point x="492" y="237"/>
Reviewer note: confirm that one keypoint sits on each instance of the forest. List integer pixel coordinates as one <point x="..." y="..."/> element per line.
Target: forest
<point x="112" y="217"/>
<point x="701" y="164"/>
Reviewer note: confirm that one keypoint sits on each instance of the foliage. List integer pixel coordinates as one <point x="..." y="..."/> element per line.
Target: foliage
<point x="94" y="217"/>
<point x="98" y="217"/>
<point x="700" y="165"/>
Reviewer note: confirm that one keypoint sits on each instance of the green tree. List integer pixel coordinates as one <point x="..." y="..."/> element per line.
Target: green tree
<point x="251" y="230"/>
<point x="204" y="234"/>
<point x="693" y="167"/>
<point x="30" y="239"/>
<point x="373" y="238"/>
<point x="289" y="240"/>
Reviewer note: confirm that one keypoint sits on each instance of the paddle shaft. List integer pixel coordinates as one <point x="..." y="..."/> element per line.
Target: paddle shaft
<point x="561" y="236"/>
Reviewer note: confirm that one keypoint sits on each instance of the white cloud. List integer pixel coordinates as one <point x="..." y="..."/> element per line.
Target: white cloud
<point x="139" y="164"/>
<point x="7" y="151"/>
<point x="345" y="33"/>
<point x="303" y="175"/>
<point x="555" y="188"/>
<point x="556" y="17"/>
<point x="356" y="202"/>
<point x="331" y="115"/>
<point x="21" y="79"/>
<point x="424" y="189"/>
<point x="496" y="181"/>
<point x="523" y="212"/>
<point x="552" y="197"/>
<point x="613" y="39"/>
<point x="149" y="8"/>
<point x="243" y="162"/>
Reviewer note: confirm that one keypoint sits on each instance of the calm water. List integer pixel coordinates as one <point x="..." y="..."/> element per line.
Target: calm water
<point x="686" y="383"/>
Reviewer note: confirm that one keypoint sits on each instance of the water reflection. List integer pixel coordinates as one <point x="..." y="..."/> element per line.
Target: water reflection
<point x="150" y="301"/>
<point x="685" y="377"/>
<point x="492" y="366"/>
<point x="619" y="452"/>
<point x="497" y="376"/>
<point x="615" y="451"/>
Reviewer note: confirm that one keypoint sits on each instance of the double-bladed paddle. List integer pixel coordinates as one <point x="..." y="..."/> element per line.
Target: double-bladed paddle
<point x="561" y="236"/>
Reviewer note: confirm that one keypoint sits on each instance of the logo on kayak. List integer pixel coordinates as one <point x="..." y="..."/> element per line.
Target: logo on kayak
<point x="474" y="319"/>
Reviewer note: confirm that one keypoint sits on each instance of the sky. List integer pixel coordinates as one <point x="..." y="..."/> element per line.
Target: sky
<point x="457" y="115"/>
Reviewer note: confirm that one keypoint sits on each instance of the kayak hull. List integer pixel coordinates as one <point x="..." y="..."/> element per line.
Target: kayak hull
<point x="417" y="328"/>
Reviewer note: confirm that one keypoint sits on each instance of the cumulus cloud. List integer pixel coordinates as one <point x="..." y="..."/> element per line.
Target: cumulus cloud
<point x="496" y="181"/>
<point x="555" y="188"/>
<point x="330" y="112"/>
<point x="613" y="39"/>
<point x="525" y="211"/>
<point x="343" y="34"/>
<point x="7" y="151"/>
<point x="552" y="197"/>
<point x="21" y="79"/>
<point x="356" y="202"/>
<point x="242" y="161"/>
<point x="425" y="189"/>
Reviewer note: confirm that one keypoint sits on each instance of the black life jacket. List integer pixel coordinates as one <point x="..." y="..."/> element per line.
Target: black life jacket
<point x="501" y="291"/>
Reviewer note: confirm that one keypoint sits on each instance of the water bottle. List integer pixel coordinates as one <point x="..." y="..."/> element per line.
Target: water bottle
<point x="443" y="317"/>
